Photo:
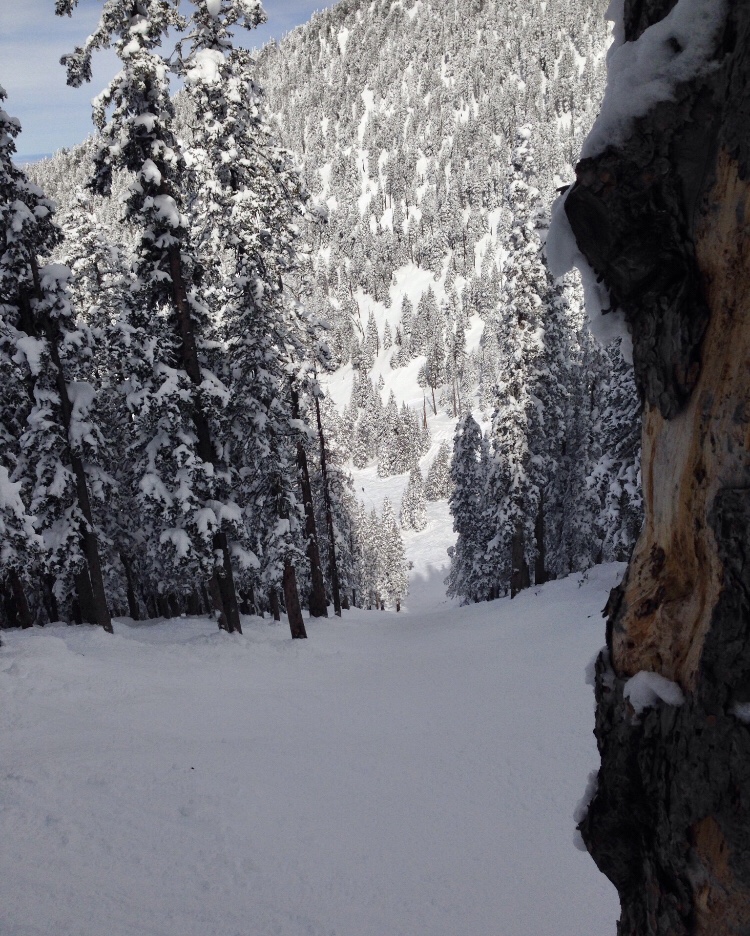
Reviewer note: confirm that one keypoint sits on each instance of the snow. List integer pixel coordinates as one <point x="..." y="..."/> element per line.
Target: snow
<point x="643" y="73"/>
<point x="563" y="255"/>
<point x="167" y="210"/>
<point x="342" y="37"/>
<point x="150" y="172"/>
<point x="205" y="64"/>
<point x="410" y="773"/>
<point x="32" y="350"/>
<point x="646" y="689"/>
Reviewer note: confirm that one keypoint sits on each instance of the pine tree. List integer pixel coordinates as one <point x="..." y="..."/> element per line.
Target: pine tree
<point x="467" y="505"/>
<point x="413" y="507"/>
<point x="394" y="582"/>
<point x="438" y="481"/>
<point x="40" y="330"/>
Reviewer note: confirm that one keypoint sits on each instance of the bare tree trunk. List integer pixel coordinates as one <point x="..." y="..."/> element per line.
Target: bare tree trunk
<point x="317" y="602"/>
<point x="85" y="595"/>
<point x="332" y="562"/>
<point x="540" y="571"/>
<point x="225" y="581"/>
<point x="663" y="219"/>
<point x="50" y="600"/>
<point x="162" y="604"/>
<point x="519" y="576"/>
<point x="293" y="608"/>
<point x="273" y="599"/>
<point x="22" y="610"/>
<point x="133" y="609"/>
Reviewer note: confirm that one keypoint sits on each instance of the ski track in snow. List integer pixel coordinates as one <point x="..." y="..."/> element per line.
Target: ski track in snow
<point x="394" y="775"/>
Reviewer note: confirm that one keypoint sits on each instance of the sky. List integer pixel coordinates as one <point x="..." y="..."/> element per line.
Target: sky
<point x="32" y="39"/>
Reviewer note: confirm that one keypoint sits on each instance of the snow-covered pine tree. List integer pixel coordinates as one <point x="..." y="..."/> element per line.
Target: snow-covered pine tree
<point x="394" y="583"/>
<point x="438" y="481"/>
<point x="467" y="505"/>
<point x="528" y="422"/>
<point x="413" y="514"/>
<point x="256" y="196"/>
<point x="183" y="484"/>
<point x="41" y="335"/>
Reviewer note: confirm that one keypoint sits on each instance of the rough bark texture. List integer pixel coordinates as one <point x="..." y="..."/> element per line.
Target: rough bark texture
<point x="665" y="221"/>
<point x="520" y="577"/>
<point x="293" y="607"/>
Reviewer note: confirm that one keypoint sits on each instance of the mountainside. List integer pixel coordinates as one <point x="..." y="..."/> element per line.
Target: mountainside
<point x="435" y="137"/>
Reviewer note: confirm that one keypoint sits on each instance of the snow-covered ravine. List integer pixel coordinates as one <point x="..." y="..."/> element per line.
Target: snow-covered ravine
<point x="408" y="774"/>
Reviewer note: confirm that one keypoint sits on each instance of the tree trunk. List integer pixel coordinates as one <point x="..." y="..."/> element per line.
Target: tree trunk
<point x="50" y="600"/>
<point x="225" y="582"/>
<point x="663" y="220"/>
<point x="519" y="576"/>
<point x="332" y="562"/>
<point x="273" y="599"/>
<point x="133" y="609"/>
<point x="293" y="608"/>
<point x="85" y="595"/>
<point x="317" y="602"/>
<point x="20" y="602"/>
<point x="163" y="607"/>
<point x="540" y="571"/>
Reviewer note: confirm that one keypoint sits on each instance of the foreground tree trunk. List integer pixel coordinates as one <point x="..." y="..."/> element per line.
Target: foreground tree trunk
<point x="663" y="219"/>
<point x="317" y="603"/>
<point x="291" y="600"/>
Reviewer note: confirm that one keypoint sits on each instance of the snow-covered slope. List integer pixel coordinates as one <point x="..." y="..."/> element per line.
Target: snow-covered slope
<point x="395" y="775"/>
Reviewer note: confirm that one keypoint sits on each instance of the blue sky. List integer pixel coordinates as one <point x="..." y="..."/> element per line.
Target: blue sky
<point x="32" y="39"/>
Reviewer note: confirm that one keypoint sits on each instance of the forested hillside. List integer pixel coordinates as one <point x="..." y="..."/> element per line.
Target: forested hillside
<point x="435" y="136"/>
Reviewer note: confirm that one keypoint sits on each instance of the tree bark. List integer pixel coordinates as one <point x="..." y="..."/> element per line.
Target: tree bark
<point x="133" y="609"/>
<point x="332" y="562"/>
<point x="225" y="581"/>
<point x="21" y="604"/>
<point x="49" y="598"/>
<point x="293" y="607"/>
<point x="540" y="570"/>
<point x="519" y="576"/>
<point x="317" y="602"/>
<point x="663" y="219"/>
<point x="273" y="599"/>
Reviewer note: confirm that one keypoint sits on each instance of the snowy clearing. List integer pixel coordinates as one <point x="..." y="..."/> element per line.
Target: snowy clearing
<point x="395" y="774"/>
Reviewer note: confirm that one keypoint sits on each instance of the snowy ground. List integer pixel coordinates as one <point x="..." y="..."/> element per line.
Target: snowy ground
<point x="394" y="775"/>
